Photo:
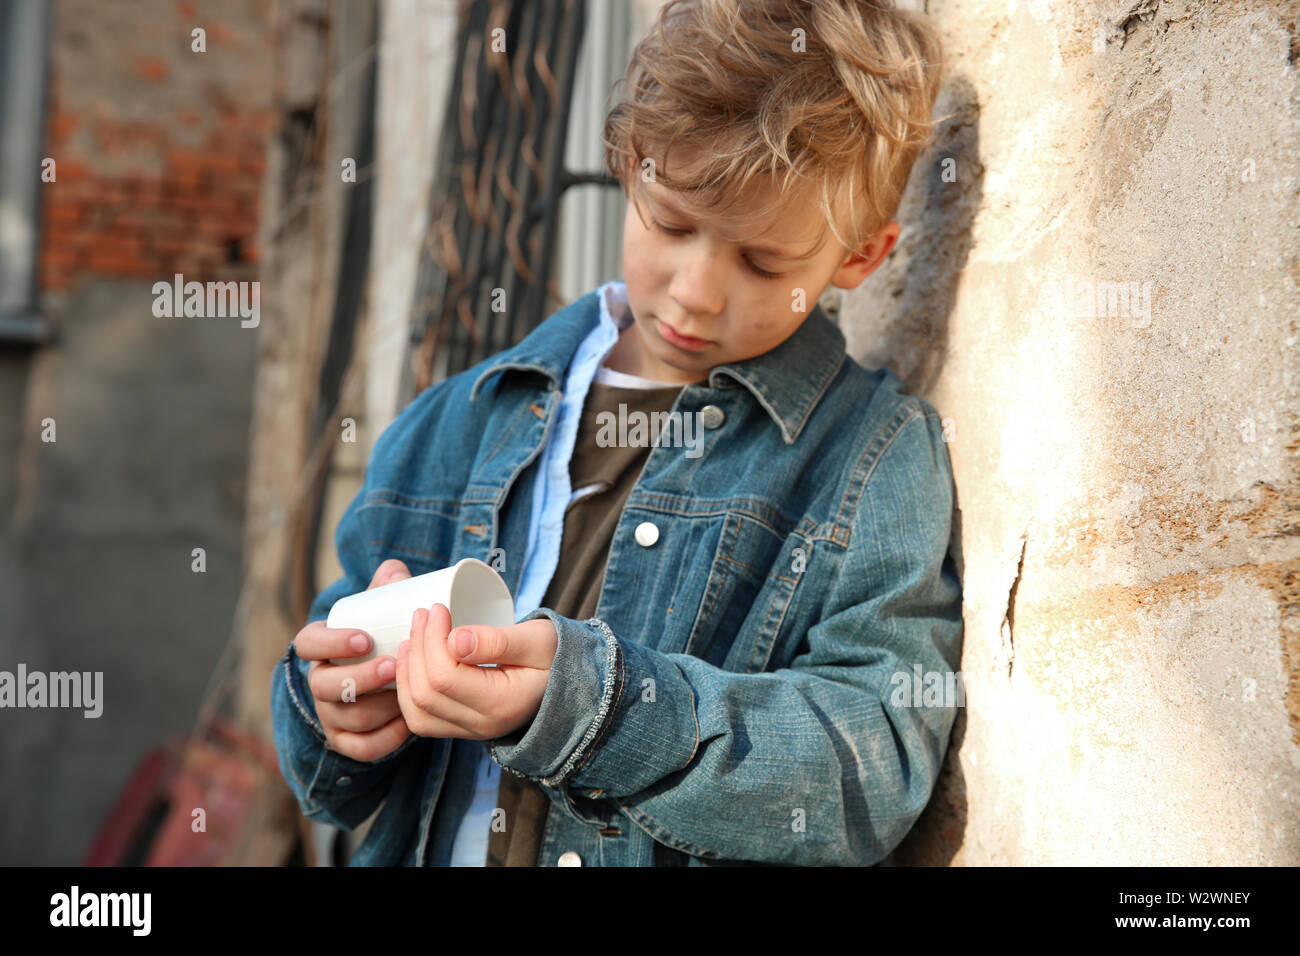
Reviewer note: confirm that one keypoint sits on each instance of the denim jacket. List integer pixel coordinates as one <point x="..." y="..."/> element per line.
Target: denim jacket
<point x="750" y="688"/>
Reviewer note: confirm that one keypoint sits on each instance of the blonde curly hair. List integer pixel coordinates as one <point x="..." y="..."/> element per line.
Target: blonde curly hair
<point x="836" y="91"/>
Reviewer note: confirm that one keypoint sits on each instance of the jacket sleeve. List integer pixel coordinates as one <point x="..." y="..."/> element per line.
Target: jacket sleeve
<point x="331" y="787"/>
<point x="826" y="762"/>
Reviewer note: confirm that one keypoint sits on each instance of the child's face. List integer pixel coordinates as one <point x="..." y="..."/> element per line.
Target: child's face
<point x="702" y="282"/>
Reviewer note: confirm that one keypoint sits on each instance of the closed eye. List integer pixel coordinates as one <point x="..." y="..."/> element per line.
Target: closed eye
<point x="761" y="273"/>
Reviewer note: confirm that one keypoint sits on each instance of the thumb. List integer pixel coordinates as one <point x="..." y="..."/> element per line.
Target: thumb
<point x="522" y="645"/>
<point x="479" y="644"/>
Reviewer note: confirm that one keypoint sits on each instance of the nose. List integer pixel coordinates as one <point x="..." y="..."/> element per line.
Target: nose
<point x="697" y="286"/>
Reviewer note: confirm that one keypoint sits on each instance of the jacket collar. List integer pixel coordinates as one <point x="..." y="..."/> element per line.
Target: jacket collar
<point x="787" y="381"/>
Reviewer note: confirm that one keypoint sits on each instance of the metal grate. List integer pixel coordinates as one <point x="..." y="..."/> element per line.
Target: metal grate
<point x="484" y="279"/>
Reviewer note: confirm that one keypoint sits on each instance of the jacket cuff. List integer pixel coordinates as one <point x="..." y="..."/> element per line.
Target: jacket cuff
<point x="320" y="775"/>
<point x="615" y="718"/>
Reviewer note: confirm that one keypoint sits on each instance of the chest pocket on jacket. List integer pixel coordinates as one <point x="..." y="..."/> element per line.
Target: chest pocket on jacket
<point x="734" y="622"/>
<point x="418" y="531"/>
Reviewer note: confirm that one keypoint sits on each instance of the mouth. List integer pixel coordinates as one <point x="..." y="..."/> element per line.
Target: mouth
<point x="676" y="338"/>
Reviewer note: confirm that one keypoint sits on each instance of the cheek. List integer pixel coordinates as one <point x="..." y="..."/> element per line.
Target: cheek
<point x="633" y="274"/>
<point x="770" y="326"/>
<point x="638" y="257"/>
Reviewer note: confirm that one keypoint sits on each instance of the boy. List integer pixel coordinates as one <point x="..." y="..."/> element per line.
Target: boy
<point x="719" y="629"/>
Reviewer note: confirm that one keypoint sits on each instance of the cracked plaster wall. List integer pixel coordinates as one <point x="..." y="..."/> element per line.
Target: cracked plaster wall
<point x="1098" y="293"/>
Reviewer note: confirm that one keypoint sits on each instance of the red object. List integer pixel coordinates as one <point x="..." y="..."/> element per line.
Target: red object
<point x="141" y="798"/>
<point x="188" y="802"/>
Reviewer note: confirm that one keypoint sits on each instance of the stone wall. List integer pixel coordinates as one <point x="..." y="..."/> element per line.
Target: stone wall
<point x="1096" y="286"/>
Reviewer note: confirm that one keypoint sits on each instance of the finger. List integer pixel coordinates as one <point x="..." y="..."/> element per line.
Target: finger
<point x="466" y="683"/>
<point x="316" y="642"/>
<point x="329" y="682"/>
<point x="388" y="572"/>
<point x="424" y="709"/>
<point x="427" y="725"/>
<point x="530" y="644"/>
<point x="456" y="691"/>
<point x="361" y="715"/>
<point x="373" y="744"/>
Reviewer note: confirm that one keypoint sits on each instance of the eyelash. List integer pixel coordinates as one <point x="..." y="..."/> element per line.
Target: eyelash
<point x="761" y="273"/>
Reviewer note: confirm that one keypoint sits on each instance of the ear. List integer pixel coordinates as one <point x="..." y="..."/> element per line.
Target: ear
<point x="857" y="266"/>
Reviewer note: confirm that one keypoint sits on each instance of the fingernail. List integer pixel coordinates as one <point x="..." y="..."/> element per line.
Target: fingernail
<point x="387" y="669"/>
<point x="398" y="576"/>
<point x="359" y="642"/>
<point x="462" y="641"/>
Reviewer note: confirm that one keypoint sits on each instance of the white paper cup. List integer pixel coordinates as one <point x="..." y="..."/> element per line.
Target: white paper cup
<point x="470" y="589"/>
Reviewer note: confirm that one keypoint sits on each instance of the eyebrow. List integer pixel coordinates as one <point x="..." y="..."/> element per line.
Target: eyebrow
<point x="765" y="250"/>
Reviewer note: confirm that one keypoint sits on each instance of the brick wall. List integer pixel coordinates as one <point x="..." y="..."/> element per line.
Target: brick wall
<point x="159" y="150"/>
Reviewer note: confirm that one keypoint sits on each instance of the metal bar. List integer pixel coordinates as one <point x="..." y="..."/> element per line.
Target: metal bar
<point x="494" y="207"/>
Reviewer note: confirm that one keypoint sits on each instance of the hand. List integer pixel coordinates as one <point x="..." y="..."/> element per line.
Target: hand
<point x="369" y="724"/>
<point x="442" y="691"/>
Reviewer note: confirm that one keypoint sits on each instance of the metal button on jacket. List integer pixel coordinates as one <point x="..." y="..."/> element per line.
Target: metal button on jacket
<point x="711" y="416"/>
<point x="647" y="533"/>
<point x="569" y="858"/>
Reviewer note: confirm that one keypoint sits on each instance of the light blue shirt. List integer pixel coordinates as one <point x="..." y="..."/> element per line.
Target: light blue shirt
<point x="551" y="496"/>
